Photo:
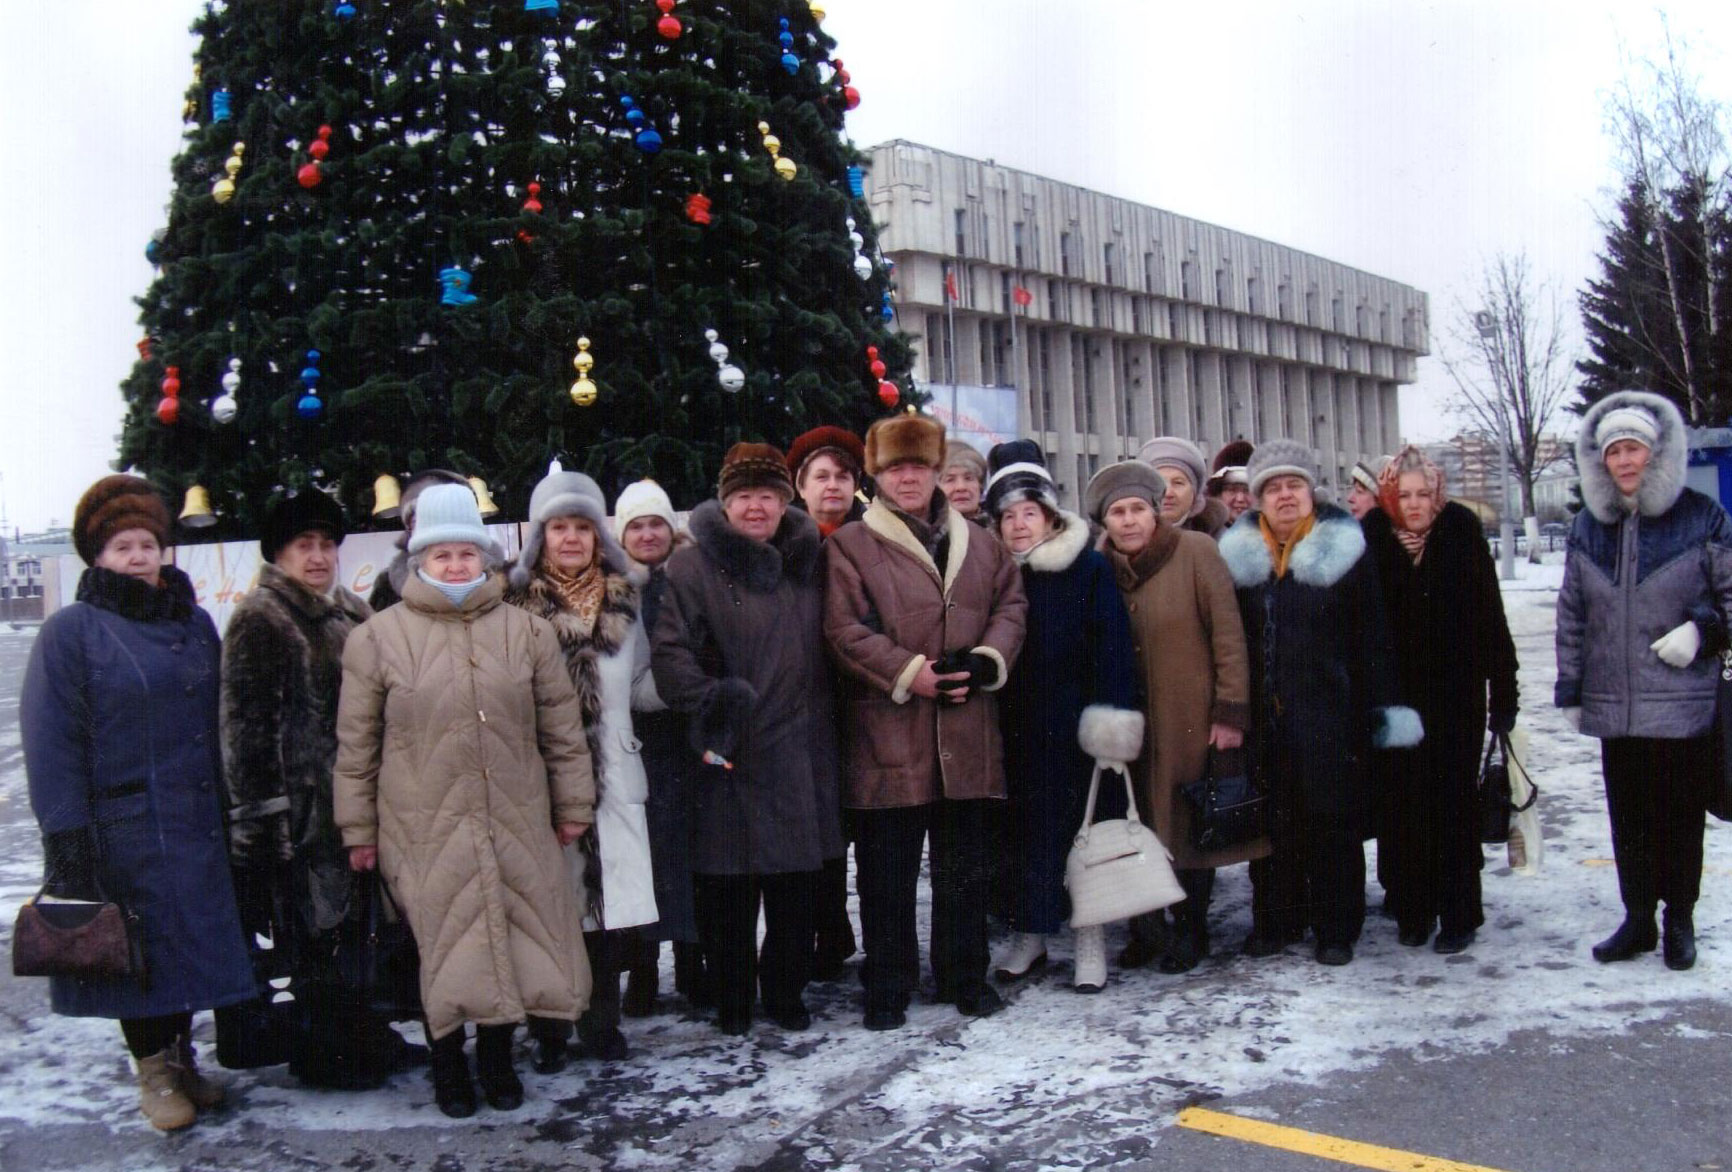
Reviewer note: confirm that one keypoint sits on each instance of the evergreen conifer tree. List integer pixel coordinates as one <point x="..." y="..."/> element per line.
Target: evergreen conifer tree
<point x="441" y="114"/>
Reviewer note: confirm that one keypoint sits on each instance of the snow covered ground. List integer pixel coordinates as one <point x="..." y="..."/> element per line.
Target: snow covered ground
<point x="943" y="1091"/>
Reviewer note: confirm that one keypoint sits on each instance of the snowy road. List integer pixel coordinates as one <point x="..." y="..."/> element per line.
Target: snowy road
<point x="1519" y="1054"/>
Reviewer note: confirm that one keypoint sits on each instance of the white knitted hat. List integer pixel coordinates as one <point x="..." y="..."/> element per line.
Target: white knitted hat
<point x="642" y="498"/>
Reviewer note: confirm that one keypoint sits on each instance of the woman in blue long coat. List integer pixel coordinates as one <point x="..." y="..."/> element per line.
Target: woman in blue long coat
<point x="119" y="721"/>
<point x="1072" y="699"/>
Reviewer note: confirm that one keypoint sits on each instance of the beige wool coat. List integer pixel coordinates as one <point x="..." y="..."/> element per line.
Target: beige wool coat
<point x="1190" y="644"/>
<point x="460" y="747"/>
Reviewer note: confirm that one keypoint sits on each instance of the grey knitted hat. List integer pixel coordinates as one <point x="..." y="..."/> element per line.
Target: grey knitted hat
<point x="566" y="494"/>
<point x="1281" y="457"/>
<point x="1115" y="482"/>
<point x="1172" y="451"/>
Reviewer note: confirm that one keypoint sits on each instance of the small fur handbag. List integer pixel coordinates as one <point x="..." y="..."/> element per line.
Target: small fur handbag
<point x="74" y="938"/>
<point x="1117" y="868"/>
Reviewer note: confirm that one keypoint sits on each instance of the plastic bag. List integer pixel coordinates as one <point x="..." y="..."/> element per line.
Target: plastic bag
<point x="1527" y="845"/>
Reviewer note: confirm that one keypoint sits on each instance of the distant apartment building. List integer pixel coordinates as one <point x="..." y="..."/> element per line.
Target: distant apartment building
<point x="1470" y="468"/>
<point x="1115" y="322"/>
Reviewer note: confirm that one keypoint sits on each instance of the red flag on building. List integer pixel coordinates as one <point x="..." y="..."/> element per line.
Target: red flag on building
<point x="1022" y="296"/>
<point x="950" y="285"/>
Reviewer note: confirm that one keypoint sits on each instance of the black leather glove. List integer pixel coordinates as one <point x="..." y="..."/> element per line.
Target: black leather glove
<point x="1501" y="723"/>
<point x="69" y="864"/>
<point x="980" y="668"/>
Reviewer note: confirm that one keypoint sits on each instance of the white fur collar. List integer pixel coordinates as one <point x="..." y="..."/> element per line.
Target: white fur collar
<point x="1060" y="551"/>
<point x="887" y="526"/>
<point x="1668" y="461"/>
<point x="1322" y="557"/>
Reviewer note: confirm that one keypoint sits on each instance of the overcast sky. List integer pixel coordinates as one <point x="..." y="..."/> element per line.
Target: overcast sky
<point x="1414" y="140"/>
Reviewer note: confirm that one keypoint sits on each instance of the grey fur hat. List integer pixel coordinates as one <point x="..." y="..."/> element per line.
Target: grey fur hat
<point x="1115" y="482"/>
<point x="1280" y="457"/>
<point x="1621" y="415"/>
<point x="1173" y="451"/>
<point x="566" y="494"/>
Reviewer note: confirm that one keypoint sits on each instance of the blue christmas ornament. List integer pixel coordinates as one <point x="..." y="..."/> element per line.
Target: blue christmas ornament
<point x="541" y="5"/>
<point x="220" y="106"/>
<point x="153" y="246"/>
<point x="648" y="141"/>
<point x="856" y="183"/>
<point x="310" y="407"/>
<point x="790" y="62"/>
<point x="310" y="373"/>
<point x="887" y="312"/>
<point x="786" y="37"/>
<point x="456" y="284"/>
<point x="634" y="117"/>
<point x="344" y="10"/>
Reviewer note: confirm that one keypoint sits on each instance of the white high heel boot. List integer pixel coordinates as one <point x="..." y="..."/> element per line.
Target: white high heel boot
<point x="1091" y="959"/>
<point x="1027" y="956"/>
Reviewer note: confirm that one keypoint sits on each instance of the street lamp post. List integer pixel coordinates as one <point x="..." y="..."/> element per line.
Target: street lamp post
<point x="1486" y="323"/>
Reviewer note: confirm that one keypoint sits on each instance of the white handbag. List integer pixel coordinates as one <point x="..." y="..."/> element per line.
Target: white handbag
<point x="1118" y="868"/>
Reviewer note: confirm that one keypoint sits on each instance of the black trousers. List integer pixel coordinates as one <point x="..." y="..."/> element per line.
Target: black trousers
<point x="1315" y="876"/>
<point x="887" y="847"/>
<point x="1428" y="851"/>
<point x="834" y="931"/>
<point x="727" y="910"/>
<point x="608" y="953"/>
<point x="152" y="1035"/>
<point x="1657" y="794"/>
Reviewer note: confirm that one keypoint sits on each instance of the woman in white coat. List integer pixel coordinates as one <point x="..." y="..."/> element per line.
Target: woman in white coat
<point x="573" y="574"/>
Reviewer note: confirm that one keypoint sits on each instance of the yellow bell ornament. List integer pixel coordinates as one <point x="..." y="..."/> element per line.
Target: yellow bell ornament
<point x="583" y="390"/>
<point x="196" y="512"/>
<point x="483" y="498"/>
<point x="387" y="497"/>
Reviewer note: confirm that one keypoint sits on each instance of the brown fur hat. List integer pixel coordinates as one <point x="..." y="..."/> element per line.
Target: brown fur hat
<point x="899" y="439"/>
<point x="112" y="505"/>
<point x="754" y="466"/>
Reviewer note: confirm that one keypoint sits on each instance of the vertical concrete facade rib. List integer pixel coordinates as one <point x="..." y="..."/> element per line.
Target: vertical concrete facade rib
<point x="1169" y="325"/>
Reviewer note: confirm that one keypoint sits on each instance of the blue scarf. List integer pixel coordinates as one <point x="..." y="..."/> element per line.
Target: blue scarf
<point x="457" y="592"/>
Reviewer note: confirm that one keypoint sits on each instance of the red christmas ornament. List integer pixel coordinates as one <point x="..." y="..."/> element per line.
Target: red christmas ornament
<point x="698" y="208"/>
<point x="669" y="25"/>
<point x="888" y="394"/>
<point x="533" y="203"/>
<point x="850" y="97"/>
<point x="168" y="409"/>
<point x="321" y="146"/>
<point x="878" y="368"/>
<point x="842" y="77"/>
<point x="144" y="347"/>
<point x="310" y="176"/>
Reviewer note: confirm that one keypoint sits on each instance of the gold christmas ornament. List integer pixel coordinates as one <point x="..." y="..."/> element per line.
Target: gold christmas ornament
<point x="195" y="513"/>
<point x="817" y="10"/>
<point x="483" y="498"/>
<point x="387" y="497"/>
<point x="223" y="190"/>
<point x="583" y="390"/>
<point x="786" y="168"/>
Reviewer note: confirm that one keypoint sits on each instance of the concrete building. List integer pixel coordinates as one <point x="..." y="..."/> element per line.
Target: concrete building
<point x="1114" y="322"/>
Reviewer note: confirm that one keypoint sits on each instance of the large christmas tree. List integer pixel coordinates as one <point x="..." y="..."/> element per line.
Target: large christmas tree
<point x="440" y="198"/>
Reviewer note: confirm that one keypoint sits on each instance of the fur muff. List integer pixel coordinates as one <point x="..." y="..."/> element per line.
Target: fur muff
<point x="759" y="565"/>
<point x="1668" y="461"/>
<point x="1397" y="727"/>
<point x="1110" y="734"/>
<point x="898" y="439"/>
<point x="1334" y="545"/>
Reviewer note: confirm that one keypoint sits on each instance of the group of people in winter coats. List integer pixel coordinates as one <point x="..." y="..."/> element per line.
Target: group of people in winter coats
<point x="632" y="734"/>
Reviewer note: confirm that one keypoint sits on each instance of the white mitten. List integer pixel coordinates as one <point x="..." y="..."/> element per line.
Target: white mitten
<point x="1678" y="647"/>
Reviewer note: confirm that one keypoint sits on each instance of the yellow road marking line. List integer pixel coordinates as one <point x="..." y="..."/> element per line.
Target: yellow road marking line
<point x="1310" y="1143"/>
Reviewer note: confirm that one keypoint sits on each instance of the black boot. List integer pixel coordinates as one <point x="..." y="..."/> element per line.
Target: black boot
<point x="642" y="979"/>
<point x="452" y="1088"/>
<point x="499" y="1082"/>
<point x="1679" y="939"/>
<point x="1634" y="936"/>
<point x="602" y="1042"/>
<point x="690" y="980"/>
<point x="1148" y="940"/>
<point x="1189" y="943"/>
<point x="551" y="1050"/>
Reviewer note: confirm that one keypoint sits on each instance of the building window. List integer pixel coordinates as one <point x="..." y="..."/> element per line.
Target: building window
<point x="1311" y="307"/>
<point x="1173" y="320"/>
<point x="1004" y="297"/>
<point x="971" y="302"/>
<point x="1016" y="237"/>
<point x="1046" y="380"/>
<point x="1064" y="253"/>
<point x="1096" y="309"/>
<point x="1208" y="328"/>
<point x="1251" y="305"/>
<point x="1362" y="321"/>
<point x="1082" y="473"/>
<point x="1148" y="272"/>
<point x="1284" y="301"/>
<point x="961" y="232"/>
<point x="1188" y="280"/>
<point x="1057" y="295"/>
<point x="1337" y="314"/>
<point x="1107" y="260"/>
<point x="1158" y="379"/>
<point x="1221" y="287"/>
<point x="1034" y="245"/>
<point x="1288" y="390"/>
<point x="1136" y="315"/>
<point x="1383" y="325"/>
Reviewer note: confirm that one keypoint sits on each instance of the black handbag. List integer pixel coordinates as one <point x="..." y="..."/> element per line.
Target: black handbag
<point x="265" y="1030"/>
<point x="1720" y="802"/>
<point x="1227" y="808"/>
<point x="376" y="958"/>
<point x="1495" y="801"/>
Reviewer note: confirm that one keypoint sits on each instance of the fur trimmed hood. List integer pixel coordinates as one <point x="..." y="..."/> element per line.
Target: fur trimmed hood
<point x="1663" y="482"/>
<point x="792" y="552"/>
<point x="1060" y="551"/>
<point x="1334" y="545"/>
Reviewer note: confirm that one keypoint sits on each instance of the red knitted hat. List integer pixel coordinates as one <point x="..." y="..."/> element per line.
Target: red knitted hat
<point x="826" y="439"/>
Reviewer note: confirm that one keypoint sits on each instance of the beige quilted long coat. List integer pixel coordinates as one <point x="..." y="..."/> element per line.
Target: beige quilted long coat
<point x="460" y="748"/>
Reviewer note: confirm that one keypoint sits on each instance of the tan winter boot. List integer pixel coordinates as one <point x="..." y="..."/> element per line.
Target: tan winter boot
<point x="159" y="1093"/>
<point x="205" y="1094"/>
